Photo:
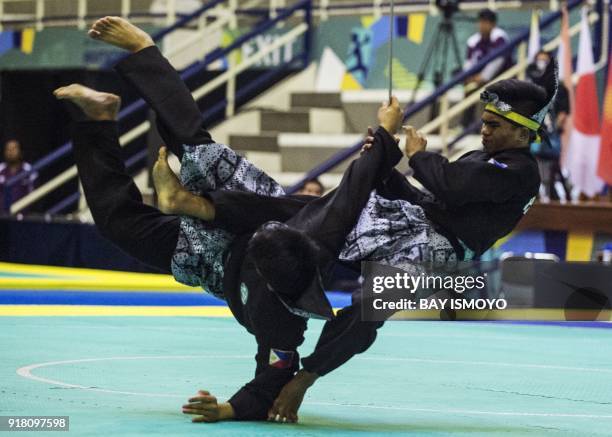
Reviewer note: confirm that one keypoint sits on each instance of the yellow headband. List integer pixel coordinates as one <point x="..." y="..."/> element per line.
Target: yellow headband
<point x="517" y="118"/>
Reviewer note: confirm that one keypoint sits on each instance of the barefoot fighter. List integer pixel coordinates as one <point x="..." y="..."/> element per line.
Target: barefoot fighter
<point x="240" y="267"/>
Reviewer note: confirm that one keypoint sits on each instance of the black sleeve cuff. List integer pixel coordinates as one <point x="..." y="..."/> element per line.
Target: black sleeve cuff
<point x="248" y="407"/>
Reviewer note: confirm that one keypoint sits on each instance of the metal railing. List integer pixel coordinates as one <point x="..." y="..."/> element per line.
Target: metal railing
<point x="227" y="78"/>
<point x="41" y="16"/>
<point x="441" y="93"/>
<point x="83" y="11"/>
<point x="323" y="9"/>
<point x="377" y="8"/>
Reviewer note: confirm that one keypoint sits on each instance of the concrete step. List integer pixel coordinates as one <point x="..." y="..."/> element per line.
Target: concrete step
<point x="262" y="142"/>
<point x="327" y="121"/>
<point x="296" y="120"/>
<point x="316" y="100"/>
<point x="313" y="120"/>
<point x="288" y="179"/>
<point x="270" y="162"/>
<point x="302" y="152"/>
<point x="360" y="107"/>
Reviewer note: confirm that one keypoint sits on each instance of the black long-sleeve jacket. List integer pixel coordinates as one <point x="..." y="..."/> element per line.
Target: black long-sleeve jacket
<point x="478" y="199"/>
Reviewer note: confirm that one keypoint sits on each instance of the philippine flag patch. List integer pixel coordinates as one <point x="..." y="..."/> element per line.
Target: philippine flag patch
<point x="281" y="359"/>
<point x="497" y="163"/>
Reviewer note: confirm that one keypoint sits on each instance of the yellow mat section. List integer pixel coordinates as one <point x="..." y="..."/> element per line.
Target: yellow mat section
<point x="113" y="310"/>
<point x="21" y="276"/>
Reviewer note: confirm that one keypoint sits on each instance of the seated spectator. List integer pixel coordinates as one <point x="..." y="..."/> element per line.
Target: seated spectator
<point x="312" y="187"/>
<point x="12" y="165"/>
<point x="488" y="38"/>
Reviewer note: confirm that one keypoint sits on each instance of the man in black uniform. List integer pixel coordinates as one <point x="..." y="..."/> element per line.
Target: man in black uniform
<point x="473" y="202"/>
<point x="271" y="306"/>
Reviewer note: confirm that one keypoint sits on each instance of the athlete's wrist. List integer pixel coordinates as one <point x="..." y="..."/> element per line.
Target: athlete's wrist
<point x="305" y="377"/>
<point x="226" y="411"/>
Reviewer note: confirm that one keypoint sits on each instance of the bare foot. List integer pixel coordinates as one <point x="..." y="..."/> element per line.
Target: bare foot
<point x="121" y="33"/>
<point x="169" y="189"/>
<point x="173" y="198"/>
<point x="95" y="104"/>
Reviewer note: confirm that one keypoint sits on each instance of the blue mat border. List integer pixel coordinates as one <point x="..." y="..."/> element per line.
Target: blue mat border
<point x="566" y="324"/>
<point x="118" y="298"/>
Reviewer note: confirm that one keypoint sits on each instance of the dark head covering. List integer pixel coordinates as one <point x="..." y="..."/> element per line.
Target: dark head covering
<point x="521" y="102"/>
<point x="297" y="282"/>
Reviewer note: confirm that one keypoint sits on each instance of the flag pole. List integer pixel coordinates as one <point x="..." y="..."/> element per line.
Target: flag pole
<point x="391" y="28"/>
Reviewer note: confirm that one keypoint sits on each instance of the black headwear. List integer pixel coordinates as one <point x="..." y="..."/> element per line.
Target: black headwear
<point x="310" y="301"/>
<point x="518" y="92"/>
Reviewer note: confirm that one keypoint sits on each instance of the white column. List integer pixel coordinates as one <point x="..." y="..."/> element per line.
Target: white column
<point x="126" y="7"/>
<point x="82" y="11"/>
<point x="444" y="104"/>
<point x="40" y="13"/>
<point x="170" y="12"/>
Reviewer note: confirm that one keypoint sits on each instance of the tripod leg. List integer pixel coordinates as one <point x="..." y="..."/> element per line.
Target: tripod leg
<point x="456" y="51"/>
<point x="440" y="67"/>
<point x="444" y="63"/>
<point x="424" y="66"/>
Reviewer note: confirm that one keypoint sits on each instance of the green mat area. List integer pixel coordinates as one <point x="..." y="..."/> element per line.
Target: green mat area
<point x="129" y="376"/>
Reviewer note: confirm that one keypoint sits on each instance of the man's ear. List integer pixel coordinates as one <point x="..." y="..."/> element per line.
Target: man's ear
<point x="525" y="135"/>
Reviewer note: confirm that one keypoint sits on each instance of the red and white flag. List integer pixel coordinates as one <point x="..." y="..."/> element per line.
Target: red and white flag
<point x="604" y="168"/>
<point x="583" y="150"/>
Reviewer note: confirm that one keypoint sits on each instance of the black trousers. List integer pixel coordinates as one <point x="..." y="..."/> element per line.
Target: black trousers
<point x="116" y="203"/>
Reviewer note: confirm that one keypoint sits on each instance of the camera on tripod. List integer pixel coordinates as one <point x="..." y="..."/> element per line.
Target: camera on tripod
<point x="442" y="49"/>
<point x="448" y="7"/>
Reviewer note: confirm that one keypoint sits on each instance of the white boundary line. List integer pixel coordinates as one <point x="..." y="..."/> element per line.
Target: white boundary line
<point x="492" y="363"/>
<point x="26" y="372"/>
<point x="474" y="412"/>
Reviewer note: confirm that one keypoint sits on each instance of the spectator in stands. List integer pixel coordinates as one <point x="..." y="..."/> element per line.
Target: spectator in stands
<point x="12" y="165"/>
<point x="312" y="187"/>
<point x="488" y="38"/>
<point x="548" y="153"/>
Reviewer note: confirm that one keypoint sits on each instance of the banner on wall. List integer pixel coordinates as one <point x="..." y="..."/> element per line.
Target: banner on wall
<point x="19" y="40"/>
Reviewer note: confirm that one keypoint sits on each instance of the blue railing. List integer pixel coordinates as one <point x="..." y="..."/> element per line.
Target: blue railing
<point x="523" y="36"/>
<point x="188" y="73"/>
<point x="67" y="147"/>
